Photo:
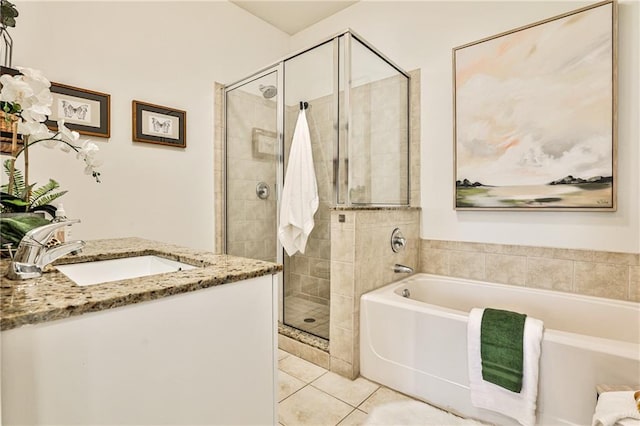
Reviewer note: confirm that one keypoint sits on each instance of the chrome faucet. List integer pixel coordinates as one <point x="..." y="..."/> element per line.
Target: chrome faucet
<point x="402" y="269"/>
<point x="33" y="255"/>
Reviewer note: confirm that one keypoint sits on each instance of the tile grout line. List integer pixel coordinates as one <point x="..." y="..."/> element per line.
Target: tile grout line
<point x="350" y="412"/>
<point x="346" y="402"/>
<point x="305" y="385"/>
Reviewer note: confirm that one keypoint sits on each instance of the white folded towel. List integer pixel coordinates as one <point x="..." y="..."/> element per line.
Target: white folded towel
<point x="300" y="193"/>
<point x="520" y="406"/>
<point x="615" y="407"/>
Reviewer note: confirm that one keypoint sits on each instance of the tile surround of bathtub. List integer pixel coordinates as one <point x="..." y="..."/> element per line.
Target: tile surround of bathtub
<point x="361" y="261"/>
<point x="588" y="272"/>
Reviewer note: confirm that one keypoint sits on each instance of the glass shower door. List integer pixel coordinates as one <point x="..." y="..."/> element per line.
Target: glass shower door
<point x="310" y="78"/>
<point x="252" y="167"/>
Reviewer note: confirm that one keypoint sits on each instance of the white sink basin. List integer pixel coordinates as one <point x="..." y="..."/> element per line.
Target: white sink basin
<point x="104" y="271"/>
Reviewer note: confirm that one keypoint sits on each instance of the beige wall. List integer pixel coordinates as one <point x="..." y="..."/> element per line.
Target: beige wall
<point x="164" y="53"/>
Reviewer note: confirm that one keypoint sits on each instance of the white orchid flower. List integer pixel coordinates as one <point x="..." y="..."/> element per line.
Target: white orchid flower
<point x="87" y="149"/>
<point x="37" y="132"/>
<point x="29" y="96"/>
<point x="44" y="97"/>
<point x="16" y="91"/>
<point x="66" y="134"/>
<point x="37" y="113"/>
<point x="35" y="77"/>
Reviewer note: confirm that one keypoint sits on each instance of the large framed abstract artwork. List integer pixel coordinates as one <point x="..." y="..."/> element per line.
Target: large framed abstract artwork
<point x="535" y="115"/>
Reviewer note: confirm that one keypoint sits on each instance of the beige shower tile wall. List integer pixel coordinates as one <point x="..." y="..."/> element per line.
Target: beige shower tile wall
<point x="379" y="135"/>
<point x="361" y="261"/>
<point x="414" y="138"/>
<point x="218" y="166"/>
<point x="250" y="220"/>
<point x="594" y="273"/>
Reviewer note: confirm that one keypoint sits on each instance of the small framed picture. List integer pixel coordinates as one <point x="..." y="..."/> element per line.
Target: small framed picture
<point x="85" y="111"/>
<point x="158" y="124"/>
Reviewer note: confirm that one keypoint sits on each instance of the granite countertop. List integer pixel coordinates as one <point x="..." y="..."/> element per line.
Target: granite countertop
<point x="54" y="296"/>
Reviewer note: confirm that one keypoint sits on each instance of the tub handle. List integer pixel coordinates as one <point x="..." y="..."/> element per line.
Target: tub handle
<point x="398" y="241"/>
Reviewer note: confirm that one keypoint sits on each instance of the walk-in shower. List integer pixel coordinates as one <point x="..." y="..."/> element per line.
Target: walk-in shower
<point x="359" y="124"/>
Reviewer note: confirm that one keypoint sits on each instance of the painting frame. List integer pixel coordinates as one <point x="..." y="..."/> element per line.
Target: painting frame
<point x="78" y="107"/>
<point x="158" y="124"/>
<point x="563" y="192"/>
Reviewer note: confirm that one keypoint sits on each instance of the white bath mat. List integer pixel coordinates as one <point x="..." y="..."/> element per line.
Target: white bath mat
<point x="413" y="413"/>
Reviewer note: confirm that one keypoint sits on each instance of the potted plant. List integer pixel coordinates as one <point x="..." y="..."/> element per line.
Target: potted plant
<point x="25" y="101"/>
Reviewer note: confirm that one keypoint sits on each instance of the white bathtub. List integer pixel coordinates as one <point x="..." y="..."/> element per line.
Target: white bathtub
<point x="418" y="345"/>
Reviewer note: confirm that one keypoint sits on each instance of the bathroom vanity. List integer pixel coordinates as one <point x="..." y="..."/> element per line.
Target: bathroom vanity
<point x="194" y="346"/>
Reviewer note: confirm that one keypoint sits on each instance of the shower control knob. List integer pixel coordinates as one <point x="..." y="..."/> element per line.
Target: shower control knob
<point x="398" y="241"/>
<point x="262" y="190"/>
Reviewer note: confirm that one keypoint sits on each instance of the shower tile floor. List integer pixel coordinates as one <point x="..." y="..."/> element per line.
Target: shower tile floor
<point x="310" y="395"/>
<point x="297" y="309"/>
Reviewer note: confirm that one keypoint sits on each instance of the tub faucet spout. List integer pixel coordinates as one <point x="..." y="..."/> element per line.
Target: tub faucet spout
<point x="398" y="268"/>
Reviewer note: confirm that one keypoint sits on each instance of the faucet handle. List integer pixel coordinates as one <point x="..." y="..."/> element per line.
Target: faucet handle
<point x="9" y="247"/>
<point x="42" y="234"/>
<point x="398" y="241"/>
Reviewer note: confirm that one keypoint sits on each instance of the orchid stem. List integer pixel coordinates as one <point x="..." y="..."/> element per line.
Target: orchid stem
<point x="26" y="168"/>
<point x="52" y="138"/>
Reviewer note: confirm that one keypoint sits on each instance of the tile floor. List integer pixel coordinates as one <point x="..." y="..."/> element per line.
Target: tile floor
<point x="297" y="309"/>
<point x="309" y="395"/>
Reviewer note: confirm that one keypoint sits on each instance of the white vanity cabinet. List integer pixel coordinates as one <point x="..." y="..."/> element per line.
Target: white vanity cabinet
<point x="204" y="357"/>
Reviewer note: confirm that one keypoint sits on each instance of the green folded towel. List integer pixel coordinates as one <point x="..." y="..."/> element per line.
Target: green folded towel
<point x="501" y="334"/>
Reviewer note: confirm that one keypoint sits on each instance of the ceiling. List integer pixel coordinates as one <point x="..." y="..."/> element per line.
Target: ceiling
<point x="293" y="16"/>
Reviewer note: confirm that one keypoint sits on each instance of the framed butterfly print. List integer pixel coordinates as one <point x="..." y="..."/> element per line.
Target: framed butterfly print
<point x="159" y="124"/>
<point x="85" y="111"/>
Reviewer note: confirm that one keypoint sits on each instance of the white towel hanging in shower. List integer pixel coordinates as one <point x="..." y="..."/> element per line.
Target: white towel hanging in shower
<point x="300" y="193"/>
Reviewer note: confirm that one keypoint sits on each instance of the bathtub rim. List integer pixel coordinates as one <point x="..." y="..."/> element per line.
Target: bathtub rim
<point x="390" y="295"/>
<point x="518" y="288"/>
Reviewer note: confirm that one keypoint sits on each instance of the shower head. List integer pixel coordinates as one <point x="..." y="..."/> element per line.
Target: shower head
<point x="268" y="91"/>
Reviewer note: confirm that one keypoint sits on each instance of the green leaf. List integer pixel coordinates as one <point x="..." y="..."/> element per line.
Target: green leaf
<point x="15" y="205"/>
<point x="18" y="179"/>
<point x="40" y="192"/>
<point x="47" y="199"/>
<point x="13" y="229"/>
